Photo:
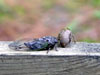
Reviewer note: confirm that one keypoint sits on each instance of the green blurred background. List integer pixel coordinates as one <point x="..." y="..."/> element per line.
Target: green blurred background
<point x="21" y="19"/>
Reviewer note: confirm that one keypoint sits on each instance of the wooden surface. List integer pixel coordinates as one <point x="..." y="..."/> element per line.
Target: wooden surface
<point x="79" y="59"/>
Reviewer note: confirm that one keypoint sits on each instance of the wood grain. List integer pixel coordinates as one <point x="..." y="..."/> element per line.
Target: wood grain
<point x="79" y="59"/>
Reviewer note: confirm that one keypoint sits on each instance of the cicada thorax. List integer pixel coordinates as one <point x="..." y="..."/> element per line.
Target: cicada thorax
<point x="43" y="43"/>
<point x="36" y="45"/>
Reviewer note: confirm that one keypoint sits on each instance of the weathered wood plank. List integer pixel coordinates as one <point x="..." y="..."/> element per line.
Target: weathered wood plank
<point x="80" y="59"/>
<point x="80" y="48"/>
<point x="51" y="65"/>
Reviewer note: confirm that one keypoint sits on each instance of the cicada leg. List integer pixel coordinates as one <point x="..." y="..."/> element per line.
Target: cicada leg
<point x="73" y="38"/>
<point x="55" y="47"/>
<point x="48" y="50"/>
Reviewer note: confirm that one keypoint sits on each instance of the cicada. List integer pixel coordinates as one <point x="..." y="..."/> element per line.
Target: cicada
<point x="43" y="43"/>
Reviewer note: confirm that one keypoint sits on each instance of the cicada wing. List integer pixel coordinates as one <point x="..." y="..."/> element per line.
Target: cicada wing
<point x="18" y="45"/>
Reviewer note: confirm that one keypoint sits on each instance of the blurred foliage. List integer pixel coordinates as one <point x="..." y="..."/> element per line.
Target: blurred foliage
<point x="89" y="40"/>
<point x="19" y="10"/>
<point x="18" y="17"/>
<point x="47" y="4"/>
<point x="73" y="25"/>
<point x="95" y="3"/>
<point x="97" y="14"/>
<point x="74" y="5"/>
<point x="6" y="12"/>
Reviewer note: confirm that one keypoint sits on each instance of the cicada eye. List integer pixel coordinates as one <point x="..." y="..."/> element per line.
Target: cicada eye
<point x="48" y="40"/>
